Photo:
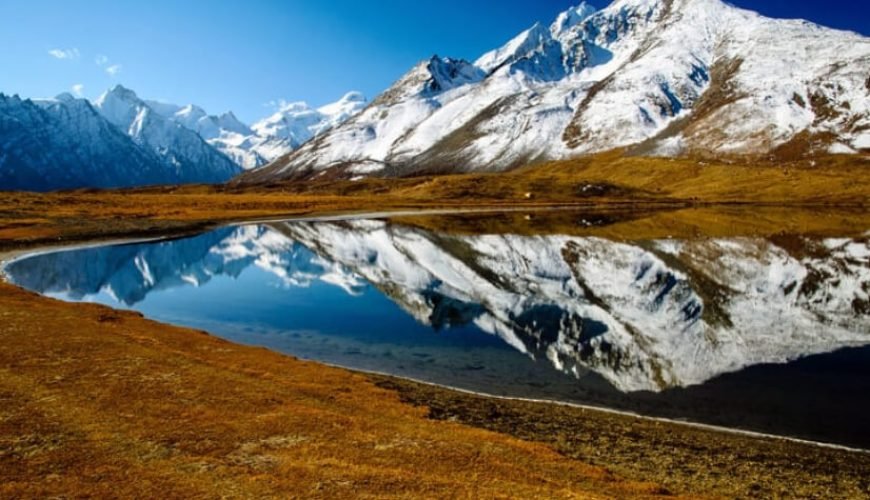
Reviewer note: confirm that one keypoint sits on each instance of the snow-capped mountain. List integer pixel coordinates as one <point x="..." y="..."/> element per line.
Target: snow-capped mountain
<point x="184" y="150"/>
<point x="663" y="77"/>
<point x="121" y="140"/>
<point x="297" y="122"/>
<point x="274" y="136"/>
<point x="196" y="119"/>
<point x="645" y="315"/>
<point x="65" y="143"/>
<point x="225" y="132"/>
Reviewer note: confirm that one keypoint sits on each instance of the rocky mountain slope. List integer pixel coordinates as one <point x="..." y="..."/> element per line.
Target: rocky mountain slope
<point x="660" y="77"/>
<point x="182" y="149"/>
<point x="121" y="140"/>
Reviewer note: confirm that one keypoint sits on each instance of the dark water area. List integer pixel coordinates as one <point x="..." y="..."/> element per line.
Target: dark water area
<point x="764" y="333"/>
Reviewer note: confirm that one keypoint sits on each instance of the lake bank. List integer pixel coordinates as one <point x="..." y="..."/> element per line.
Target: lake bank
<point x="95" y="398"/>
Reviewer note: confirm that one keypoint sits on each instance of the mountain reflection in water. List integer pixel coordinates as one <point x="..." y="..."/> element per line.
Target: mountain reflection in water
<point x="577" y="318"/>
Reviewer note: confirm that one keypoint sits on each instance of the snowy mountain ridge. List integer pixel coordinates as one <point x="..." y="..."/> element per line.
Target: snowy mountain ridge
<point x="660" y="77"/>
<point x="268" y="139"/>
<point x="181" y="148"/>
<point x="66" y="143"/>
<point x="121" y="140"/>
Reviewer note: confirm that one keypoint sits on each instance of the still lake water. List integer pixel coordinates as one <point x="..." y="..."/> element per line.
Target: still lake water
<point x="761" y="333"/>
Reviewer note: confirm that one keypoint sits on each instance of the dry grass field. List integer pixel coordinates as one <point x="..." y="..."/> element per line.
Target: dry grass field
<point x="603" y="183"/>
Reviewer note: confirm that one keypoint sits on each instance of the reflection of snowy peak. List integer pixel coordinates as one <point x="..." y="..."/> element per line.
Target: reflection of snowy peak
<point x="655" y="76"/>
<point x="286" y="259"/>
<point x="645" y="315"/>
<point x="128" y="273"/>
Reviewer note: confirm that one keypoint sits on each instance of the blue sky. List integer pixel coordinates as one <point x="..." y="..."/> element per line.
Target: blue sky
<point x="247" y="55"/>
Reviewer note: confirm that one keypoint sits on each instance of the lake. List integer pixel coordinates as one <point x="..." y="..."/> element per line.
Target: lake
<point x="765" y="329"/>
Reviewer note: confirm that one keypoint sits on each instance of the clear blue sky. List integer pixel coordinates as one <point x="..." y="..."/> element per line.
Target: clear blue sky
<point x="240" y="55"/>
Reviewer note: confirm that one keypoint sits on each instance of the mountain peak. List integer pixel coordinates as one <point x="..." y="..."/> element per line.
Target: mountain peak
<point x="518" y="47"/>
<point x="229" y="122"/>
<point x="65" y="97"/>
<point x="123" y="93"/>
<point x="192" y="111"/>
<point x="294" y="107"/>
<point x="571" y="17"/>
<point x="447" y="73"/>
<point x="353" y="96"/>
<point x="119" y="105"/>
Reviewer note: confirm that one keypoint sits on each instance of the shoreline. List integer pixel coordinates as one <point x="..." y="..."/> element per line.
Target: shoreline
<point x="612" y="411"/>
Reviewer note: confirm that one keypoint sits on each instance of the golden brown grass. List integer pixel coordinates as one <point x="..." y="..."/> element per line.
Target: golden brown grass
<point x="614" y="178"/>
<point x="680" y="458"/>
<point x="95" y="402"/>
<point x="606" y="182"/>
<point x="841" y="180"/>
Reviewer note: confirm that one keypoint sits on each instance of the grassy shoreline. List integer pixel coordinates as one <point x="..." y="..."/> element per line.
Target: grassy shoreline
<point x="604" y="182"/>
<point x="682" y="458"/>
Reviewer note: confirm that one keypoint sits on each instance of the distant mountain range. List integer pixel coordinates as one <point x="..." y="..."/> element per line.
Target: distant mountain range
<point x="649" y="77"/>
<point x="66" y="143"/>
<point x="121" y="140"/>
<point x="652" y="77"/>
<point x="250" y="147"/>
